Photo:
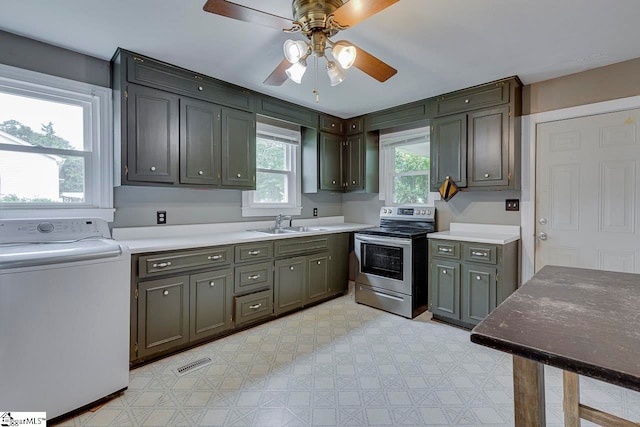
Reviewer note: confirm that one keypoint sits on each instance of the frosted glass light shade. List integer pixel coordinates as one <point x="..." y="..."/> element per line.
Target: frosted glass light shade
<point x="295" y="50"/>
<point x="336" y="76"/>
<point x="344" y="53"/>
<point x="296" y="71"/>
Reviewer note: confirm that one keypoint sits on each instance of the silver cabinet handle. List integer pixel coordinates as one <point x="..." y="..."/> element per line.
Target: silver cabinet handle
<point x="255" y="306"/>
<point x="319" y="262"/>
<point x="254" y="277"/>
<point x="256" y="252"/>
<point x="444" y="271"/>
<point x="291" y="268"/>
<point x="200" y="172"/>
<point x="200" y="88"/>
<point x="466" y="101"/>
<point x="484" y="254"/>
<point x="542" y="235"/>
<point x="239" y="175"/>
<point x="165" y="293"/>
<point x="214" y="257"/>
<point x="353" y="182"/>
<point x="161" y="265"/>
<point x="486" y="175"/>
<point x="333" y="182"/>
<point x="212" y="284"/>
<point x="152" y="168"/>
<point x="478" y="278"/>
<point x="445" y="250"/>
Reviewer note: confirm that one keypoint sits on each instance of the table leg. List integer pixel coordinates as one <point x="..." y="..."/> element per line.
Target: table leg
<point x="528" y="393"/>
<point x="571" y="399"/>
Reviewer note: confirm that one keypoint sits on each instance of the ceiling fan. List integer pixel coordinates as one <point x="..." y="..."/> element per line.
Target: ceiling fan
<point x="318" y="20"/>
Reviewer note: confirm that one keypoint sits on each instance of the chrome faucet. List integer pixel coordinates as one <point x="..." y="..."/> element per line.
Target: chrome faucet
<point x="280" y="218"/>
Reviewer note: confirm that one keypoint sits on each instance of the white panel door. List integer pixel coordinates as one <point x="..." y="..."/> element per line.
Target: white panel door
<point x="587" y="192"/>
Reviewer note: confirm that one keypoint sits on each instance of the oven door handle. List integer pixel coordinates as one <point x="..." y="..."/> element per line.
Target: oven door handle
<point x="383" y="240"/>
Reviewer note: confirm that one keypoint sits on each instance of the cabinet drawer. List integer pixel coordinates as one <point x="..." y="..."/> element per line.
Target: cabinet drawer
<point x="253" y="306"/>
<point x="331" y="124"/>
<point x="300" y="246"/>
<point x="495" y="94"/>
<point x="445" y="249"/>
<point x="150" y="265"/>
<point x="479" y="253"/>
<point x="253" y="277"/>
<point x="355" y="126"/>
<point x="254" y="252"/>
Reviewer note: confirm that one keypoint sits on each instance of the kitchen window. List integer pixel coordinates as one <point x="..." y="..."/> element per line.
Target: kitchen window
<point x="404" y="167"/>
<point x="277" y="171"/>
<point x="55" y="147"/>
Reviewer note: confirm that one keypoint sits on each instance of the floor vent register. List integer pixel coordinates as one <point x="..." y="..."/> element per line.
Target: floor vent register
<point x="190" y="367"/>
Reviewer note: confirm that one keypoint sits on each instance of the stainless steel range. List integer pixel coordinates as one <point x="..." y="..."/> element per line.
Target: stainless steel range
<point x="392" y="261"/>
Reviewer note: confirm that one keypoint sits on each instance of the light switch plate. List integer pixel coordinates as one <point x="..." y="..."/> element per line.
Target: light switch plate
<point x="512" y="204"/>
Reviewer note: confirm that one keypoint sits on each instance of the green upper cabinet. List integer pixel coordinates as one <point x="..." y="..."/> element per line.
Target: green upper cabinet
<point x="200" y="136"/>
<point x="354" y="163"/>
<point x="238" y="149"/>
<point x="330" y="162"/>
<point x="478" y="146"/>
<point x="331" y="124"/>
<point x="152" y="133"/>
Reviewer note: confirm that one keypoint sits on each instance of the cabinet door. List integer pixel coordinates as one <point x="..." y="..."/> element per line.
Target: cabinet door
<point x="238" y="149"/>
<point x="445" y="282"/>
<point x="449" y="150"/>
<point x="163" y="314"/>
<point x="339" y="257"/>
<point x="478" y="292"/>
<point x="354" y="163"/>
<point x="211" y="299"/>
<point x="152" y="135"/>
<point x="199" y="142"/>
<point x="289" y="284"/>
<point x="330" y="162"/>
<point x="489" y="147"/>
<point x="317" y="277"/>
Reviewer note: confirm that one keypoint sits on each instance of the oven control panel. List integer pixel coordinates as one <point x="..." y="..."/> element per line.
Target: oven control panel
<point x="425" y="212"/>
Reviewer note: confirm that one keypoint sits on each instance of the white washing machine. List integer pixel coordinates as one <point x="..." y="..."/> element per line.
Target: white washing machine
<point x="64" y="315"/>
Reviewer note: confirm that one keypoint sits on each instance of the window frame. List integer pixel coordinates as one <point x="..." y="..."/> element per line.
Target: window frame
<point x="294" y="182"/>
<point x="388" y="143"/>
<point x="96" y="102"/>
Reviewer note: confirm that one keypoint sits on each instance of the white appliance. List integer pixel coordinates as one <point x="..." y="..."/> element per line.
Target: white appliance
<point x="64" y="314"/>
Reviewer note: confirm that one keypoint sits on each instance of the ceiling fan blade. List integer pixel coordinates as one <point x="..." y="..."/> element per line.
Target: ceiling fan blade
<point x="278" y="76"/>
<point x="247" y="14"/>
<point x="371" y="65"/>
<point x="354" y="11"/>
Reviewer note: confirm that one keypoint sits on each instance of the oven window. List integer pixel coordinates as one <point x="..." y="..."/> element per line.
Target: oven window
<point x="385" y="261"/>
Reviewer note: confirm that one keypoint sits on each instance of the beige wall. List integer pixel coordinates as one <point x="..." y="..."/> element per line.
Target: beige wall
<point x="614" y="81"/>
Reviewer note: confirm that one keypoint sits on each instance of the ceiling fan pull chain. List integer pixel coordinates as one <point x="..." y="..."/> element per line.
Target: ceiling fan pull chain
<point x="315" y="85"/>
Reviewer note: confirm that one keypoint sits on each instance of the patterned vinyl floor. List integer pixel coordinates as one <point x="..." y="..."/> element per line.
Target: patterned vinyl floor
<point x="340" y="364"/>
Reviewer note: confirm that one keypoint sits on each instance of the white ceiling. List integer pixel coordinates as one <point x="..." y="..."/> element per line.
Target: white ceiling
<point x="437" y="46"/>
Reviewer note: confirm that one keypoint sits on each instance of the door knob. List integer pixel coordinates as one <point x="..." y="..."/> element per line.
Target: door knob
<point x="542" y="221"/>
<point x="542" y="235"/>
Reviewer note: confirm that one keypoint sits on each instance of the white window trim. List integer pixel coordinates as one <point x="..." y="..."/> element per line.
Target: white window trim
<point x="387" y="143"/>
<point x="98" y="129"/>
<point x="294" y="207"/>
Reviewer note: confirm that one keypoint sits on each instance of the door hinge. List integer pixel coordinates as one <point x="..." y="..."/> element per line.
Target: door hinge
<point x="509" y="176"/>
<point x="273" y="268"/>
<point x="136" y="294"/>
<point x="135" y="58"/>
<point x="126" y="94"/>
<point x="497" y="277"/>
<point x="509" y="113"/>
<point x="219" y="118"/>
<point x="126" y="170"/>
<point x="198" y="78"/>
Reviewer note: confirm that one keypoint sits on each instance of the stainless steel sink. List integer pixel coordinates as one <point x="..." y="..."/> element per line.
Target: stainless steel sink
<point x="303" y="229"/>
<point x="289" y="230"/>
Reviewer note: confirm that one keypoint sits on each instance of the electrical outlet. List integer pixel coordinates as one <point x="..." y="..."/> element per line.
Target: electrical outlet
<point x="161" y="217"/>
<point x="512" y="204"/>
<point x="315" y="211"/>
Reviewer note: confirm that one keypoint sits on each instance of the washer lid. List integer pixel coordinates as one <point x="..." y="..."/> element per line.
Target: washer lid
<point x="37" y="254"/>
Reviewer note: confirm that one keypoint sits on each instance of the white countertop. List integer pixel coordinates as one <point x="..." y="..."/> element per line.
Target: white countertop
<point x="479" y="233"/>
<point x="173" y="237"/>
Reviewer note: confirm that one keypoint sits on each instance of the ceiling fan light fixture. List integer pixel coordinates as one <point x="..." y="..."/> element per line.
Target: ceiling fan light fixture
<point x="344" y="53"/>
<point x="336" y="76"/>
<point x="295" y="50"/>
<point x="296" y="71"/>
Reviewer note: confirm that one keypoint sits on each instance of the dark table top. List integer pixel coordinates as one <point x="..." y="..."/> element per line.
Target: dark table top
<point x="579" y="320"/>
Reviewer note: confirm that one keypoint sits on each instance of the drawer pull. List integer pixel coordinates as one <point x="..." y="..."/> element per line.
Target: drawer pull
<point x="200" y="88"/>
<point x="444" y="271"/>
<point x="478" y="278"/>
<point x="200" y="172"/>
<point x="152" y="168"/>
<point x="483" y="254"/>
<point x="255" y="306"/>
<point x="239" y="175"/>
<point x="291" y="268"/>
<point x="161" y="265"/>
<point x="445" y="250"/>
<point x="256" y="252"/>
<point x="212" y="284"/>
<point x="466" y="101"/>
<point x="165" y="293"/>
<point x="254" y="277"/>
<point x="486" y="175"/>
<point x="214" y="257"/>
<point x="333" y="182"/>
<point x="319" y="262"/>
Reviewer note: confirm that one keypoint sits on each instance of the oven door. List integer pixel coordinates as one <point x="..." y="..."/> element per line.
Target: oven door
<point x="384" y="262"/>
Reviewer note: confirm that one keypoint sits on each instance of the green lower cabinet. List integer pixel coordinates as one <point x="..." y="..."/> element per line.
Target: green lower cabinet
<point x="318" y="277"/>
<point x="211" y="303"/>
<point x="288" y="288"/>
<point x="163" y="315"/>
<point x="339" y="270"/>
<point x="479" y="291"/>
<point x="445" y="286"/>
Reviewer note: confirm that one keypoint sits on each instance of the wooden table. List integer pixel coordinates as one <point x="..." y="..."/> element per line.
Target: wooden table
<point x="586" y="322"/>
